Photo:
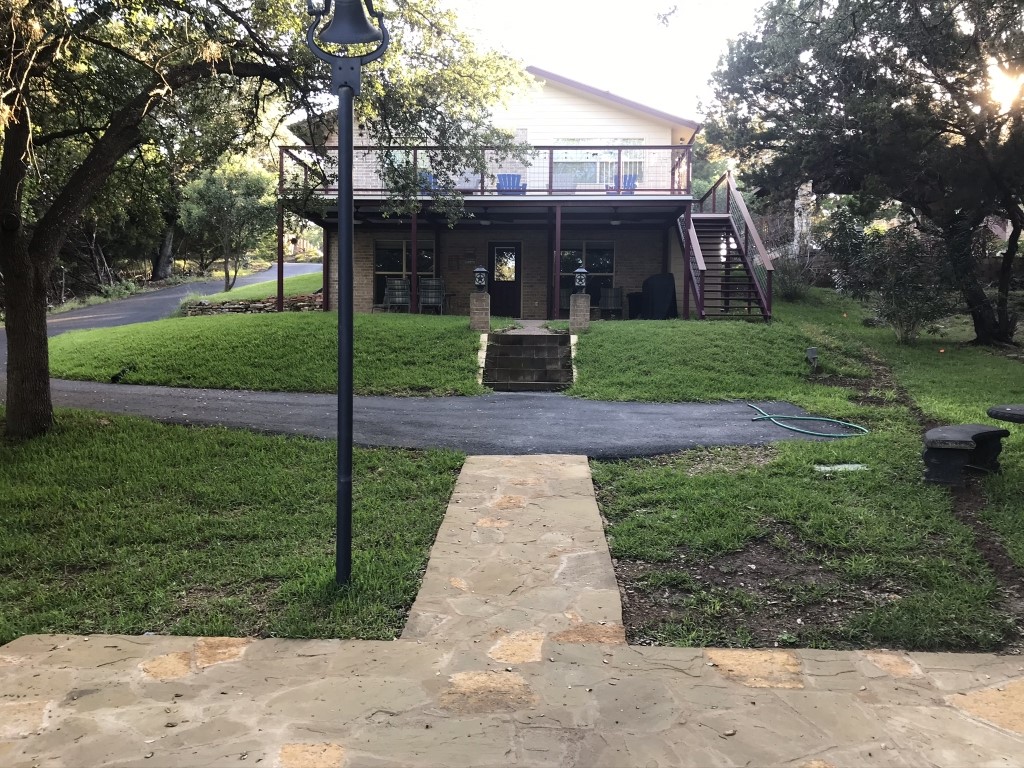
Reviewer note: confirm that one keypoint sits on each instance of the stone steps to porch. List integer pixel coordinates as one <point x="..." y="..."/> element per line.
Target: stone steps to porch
<point x="528" y="363"/>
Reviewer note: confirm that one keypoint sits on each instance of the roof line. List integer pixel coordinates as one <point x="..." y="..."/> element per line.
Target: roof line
<point x="543" y="74"/>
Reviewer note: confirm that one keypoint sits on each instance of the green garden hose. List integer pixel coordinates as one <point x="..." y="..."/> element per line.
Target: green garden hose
<point x="779" y="418"/>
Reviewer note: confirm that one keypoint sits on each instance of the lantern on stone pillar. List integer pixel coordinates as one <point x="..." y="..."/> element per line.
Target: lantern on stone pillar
<point x="581" y="280"/>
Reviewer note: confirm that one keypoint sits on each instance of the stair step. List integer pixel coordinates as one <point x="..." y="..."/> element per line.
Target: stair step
<point x="528" y="340"/>
<point x="527" y="386"/>
<point x="528" y="363"/>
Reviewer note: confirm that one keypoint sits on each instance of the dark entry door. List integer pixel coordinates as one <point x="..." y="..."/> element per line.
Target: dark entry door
<point x="505" y="278"/>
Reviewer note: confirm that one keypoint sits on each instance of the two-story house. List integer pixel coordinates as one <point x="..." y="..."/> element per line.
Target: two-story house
<point x="606" y="187"/>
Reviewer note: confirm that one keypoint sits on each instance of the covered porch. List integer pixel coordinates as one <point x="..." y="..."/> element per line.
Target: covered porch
<point x="531" y="248"/>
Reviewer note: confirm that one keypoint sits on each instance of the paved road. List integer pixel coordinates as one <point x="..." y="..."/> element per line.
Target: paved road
<point x="144" y="307"/>
<point x="493" y="424"/>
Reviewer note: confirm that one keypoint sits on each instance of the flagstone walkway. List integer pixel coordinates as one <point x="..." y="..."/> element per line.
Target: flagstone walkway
<point x="514" y="655"/>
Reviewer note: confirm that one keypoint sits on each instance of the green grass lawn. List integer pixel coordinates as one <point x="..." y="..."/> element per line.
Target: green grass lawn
<point x="678" y="361"/>
<point x="300" y="285"/>
<point x="119" y="525"/>
<point x="860" y="558"/>
<point x="290" y="352"/>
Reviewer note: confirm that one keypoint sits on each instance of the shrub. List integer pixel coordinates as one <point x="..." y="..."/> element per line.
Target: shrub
<point x="793" y="277"/>
<point x="901" y="272"/>
<point x="119" y="290"/>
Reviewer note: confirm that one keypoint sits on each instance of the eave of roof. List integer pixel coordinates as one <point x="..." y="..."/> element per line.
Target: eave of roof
<point x="619" y="101"/>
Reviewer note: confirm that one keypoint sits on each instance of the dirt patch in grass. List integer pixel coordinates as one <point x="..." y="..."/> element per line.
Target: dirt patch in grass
<point x="879" y="389"/>
<point x="967" y="504"/>
<point x="775" y="592"/>
<point x="780" y="590"/>
<point x="714" y="459"/>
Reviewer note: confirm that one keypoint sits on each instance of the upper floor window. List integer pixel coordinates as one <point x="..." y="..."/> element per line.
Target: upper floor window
<point x="575" y="168"/>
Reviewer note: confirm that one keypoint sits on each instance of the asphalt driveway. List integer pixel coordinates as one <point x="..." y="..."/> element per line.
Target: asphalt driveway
<point x="500" y="423"/>
<point x="145" y="307"/>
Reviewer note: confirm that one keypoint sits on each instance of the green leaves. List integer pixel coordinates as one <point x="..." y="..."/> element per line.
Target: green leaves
<point x="230" y="208"/>
<point x="885" y="100"/>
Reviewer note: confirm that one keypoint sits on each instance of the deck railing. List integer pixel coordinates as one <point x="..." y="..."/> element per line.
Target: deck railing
<point x="725" y="197"/>
<point x="694" y="267"/>
<point x="541" y="171"/>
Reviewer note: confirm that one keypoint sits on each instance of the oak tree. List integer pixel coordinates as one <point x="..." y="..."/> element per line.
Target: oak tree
<point x="85" y="85"/>
<point x="916" y="101"/>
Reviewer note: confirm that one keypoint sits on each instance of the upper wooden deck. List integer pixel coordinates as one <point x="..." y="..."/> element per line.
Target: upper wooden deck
<point x="545" y="171"/>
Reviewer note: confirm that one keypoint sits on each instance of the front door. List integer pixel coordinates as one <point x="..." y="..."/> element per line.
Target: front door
<point x="505" y="278"/>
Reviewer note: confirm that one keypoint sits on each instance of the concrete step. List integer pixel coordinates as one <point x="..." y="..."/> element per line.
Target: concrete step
<point x="528" y="363"/>
<point x="528" y="386"/>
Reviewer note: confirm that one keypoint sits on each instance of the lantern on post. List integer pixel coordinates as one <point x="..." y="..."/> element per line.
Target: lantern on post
<point x="480" y="279"/>
<point x="581" y="280"/>
<point x="348" y="26"/>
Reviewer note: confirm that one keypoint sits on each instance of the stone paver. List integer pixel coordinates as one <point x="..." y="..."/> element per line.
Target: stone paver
<point x="513" y="656"/>
<point x="521" y="550"/>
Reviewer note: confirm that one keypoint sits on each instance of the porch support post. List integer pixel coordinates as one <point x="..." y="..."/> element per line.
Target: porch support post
<point x="687" y="274"/>
<point x="325" y="247"/>
<point x="556" y="265"/>
<point x="280" y="254"/>
<point x="414" y="277"/>
<point x="689" y="167"/>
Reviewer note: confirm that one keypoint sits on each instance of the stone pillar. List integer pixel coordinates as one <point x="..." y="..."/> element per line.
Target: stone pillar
<point x="579" y="313"/>
<point x="480" y="311"/>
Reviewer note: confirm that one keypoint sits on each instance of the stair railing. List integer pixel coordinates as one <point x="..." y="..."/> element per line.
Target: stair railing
<point x="724" y="197"/>
<point x="694" y="266"/>
<point x="717" y="198"/>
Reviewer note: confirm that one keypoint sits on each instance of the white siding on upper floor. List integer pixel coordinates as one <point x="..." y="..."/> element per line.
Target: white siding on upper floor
<point x="550" y="114"/>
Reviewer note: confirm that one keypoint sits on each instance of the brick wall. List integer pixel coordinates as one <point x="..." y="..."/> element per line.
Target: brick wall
<point x="638" y="255"/>
<point x="462" y="251"/>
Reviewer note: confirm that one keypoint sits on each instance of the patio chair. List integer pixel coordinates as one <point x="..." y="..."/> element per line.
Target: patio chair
<point x="396" y="294"/>
<point x="431" y="294"/>
<point x="628" y="185"/>
<point x="428" y="182"/>
<point x="511" y="184"/>
<point x="611" y="302"/>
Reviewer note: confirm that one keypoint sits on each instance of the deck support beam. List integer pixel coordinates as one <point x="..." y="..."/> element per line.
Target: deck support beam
<point x="556" y="265"/>
<point x="414" y="246"/>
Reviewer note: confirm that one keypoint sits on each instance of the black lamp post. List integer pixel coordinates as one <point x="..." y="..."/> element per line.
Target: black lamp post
<point x="480" y="279"/>
<point x="581" y="280"/>
<point x="349" y="26"/>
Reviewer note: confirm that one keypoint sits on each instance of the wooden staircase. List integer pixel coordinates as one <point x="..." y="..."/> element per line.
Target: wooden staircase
<point x="528" y="363"/>
<point x="727" y="273"/>
<point x="729" y="288"/>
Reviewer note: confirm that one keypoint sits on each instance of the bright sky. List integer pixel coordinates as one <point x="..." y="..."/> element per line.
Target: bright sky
<point x="617" y="46"/>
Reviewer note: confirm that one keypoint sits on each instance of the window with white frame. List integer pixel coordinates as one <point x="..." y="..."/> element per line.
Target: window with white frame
<point x="393" y="258"/>
<point x="576" y="168"/>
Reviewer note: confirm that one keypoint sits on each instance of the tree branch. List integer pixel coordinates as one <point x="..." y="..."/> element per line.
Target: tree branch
<point x="122" y="133"/>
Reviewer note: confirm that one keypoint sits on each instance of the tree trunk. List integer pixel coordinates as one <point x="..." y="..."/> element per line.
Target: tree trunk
<point x="164" y="258"/>
<point x="987" y="328"/>
<point x="29" y="406"/>
<point x="1008" y="319"/>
